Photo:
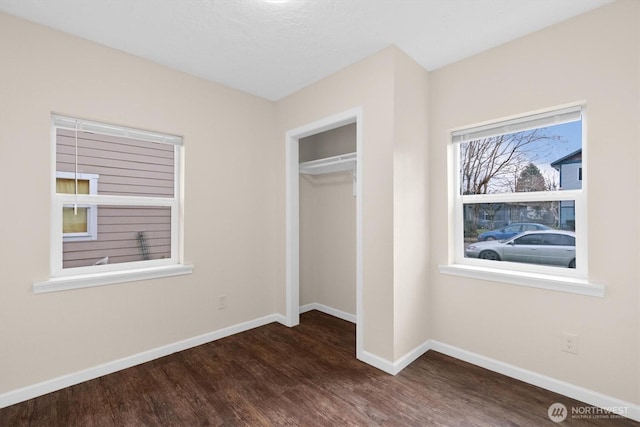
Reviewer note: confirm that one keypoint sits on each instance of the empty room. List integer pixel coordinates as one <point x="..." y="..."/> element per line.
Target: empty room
<point x="320" y="212"/>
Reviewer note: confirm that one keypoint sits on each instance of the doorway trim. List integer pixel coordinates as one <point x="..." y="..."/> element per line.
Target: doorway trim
<point x="292" y="138"/>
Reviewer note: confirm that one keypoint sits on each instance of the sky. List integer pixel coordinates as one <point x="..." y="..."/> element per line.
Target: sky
<point x="572" y="133"/>
<point x="571" y="140"/>
<point x="557" y="142"/>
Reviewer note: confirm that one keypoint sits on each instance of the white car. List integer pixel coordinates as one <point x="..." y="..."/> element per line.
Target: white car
<point x="547" y="247"/>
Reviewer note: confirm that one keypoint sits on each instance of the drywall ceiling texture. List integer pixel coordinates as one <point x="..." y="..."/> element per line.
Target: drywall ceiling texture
<point x="272" y="49"/>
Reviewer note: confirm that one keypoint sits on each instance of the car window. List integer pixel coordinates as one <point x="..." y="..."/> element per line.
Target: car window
<point x="529" y="227"/>
<point x="529" y="239"/>
<point x="559" y="240"/>
<point x="512" y="229"/>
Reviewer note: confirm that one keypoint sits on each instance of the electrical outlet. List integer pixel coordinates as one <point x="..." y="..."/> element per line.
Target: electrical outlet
<point x="569" y="343"/>
<point x="222" y="302"/>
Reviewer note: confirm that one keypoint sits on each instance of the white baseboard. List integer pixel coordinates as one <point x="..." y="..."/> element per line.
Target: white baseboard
<point x="582" y="394"/>
<point x="408" y="358"/>
<point x="394" y="367"/>
<point x="377" y="362"/>
<point x="566" y="389"/>
<point x="628" y="409"/>
<point x="328" y="310"/>
<point x="368" y="358"/>
<point x="39" y="389"/>
<point x="575" y="392"/>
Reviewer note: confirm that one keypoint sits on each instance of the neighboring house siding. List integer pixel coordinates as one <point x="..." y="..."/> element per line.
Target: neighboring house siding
<point x="125" y="167"/>
<point x="570" y="179"/>
<point x="570" y="176"/>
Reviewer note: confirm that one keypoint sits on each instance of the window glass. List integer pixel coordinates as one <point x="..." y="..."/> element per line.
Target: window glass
<point x="543" y="159"/>
<point x="529" y="239"/>
<point x="481" y="218"/>
<point x="127" y="167"/>
<point x="125" y="234"/>
<point x="518" y="176"/>
<point x="68" y="186"/>
<point x="75" y="221"/>
<point x="559" y="240"/>
<point x="115" y="196"/>
<point x="78" y="220"/>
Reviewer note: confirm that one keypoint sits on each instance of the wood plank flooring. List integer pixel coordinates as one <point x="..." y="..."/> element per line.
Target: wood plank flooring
<point x="302" y="376"/>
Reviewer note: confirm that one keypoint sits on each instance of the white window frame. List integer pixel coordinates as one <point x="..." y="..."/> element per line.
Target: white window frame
<point x="539" y="276"/>
<point x="92" y="210"/>
<point x="96" y="275"/>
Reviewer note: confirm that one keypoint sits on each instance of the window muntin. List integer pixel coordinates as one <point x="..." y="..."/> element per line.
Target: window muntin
<point x="136" y="205"/>
<point x="79" y="222"/>
<point x="505" y="179"/>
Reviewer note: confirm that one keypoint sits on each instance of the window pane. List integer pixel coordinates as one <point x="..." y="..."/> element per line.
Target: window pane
<point x="68" y="186"/>
<point x="492" y="231"/>
<point x="74" y="222"/>
<point x="125" y="234"/>
<point x="127" y="167"/>
<point x="530" y="239"/>
<point x="542" y="159"/>
<point x="559" y="240"/>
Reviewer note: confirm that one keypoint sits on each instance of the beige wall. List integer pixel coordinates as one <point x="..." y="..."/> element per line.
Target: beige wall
<point x="330" y="143"/>
<point x="595" y="58"/>
<point x="328" y="241"/>
<point x="235" y="201"/>
<point x="380" y="86"/>
<point x="411" y="239"/>
<point x="369" y="84"/>
<point x="229" y="208"/>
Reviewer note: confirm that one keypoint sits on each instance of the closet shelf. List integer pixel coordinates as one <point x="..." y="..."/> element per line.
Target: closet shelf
<point x="343" y="162"/>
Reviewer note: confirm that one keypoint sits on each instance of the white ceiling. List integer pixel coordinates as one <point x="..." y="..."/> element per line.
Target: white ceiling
<point x="273" y="49"/>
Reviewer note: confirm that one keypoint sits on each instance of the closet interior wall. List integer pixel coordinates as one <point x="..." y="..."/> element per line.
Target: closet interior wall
<point x="328" y="225"/>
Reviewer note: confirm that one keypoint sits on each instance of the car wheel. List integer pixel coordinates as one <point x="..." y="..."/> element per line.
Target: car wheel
<point x="490" y="255"/>
<point x="490" y="238"/>
<point x="572" y="263"/>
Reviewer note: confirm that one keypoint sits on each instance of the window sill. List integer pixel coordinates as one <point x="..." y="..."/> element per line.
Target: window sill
<point x="99" y="279"/>
<point x="532" y="280"/>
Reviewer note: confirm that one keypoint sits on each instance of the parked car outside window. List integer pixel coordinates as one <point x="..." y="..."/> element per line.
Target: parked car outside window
<point x="510" y="231"/>
<point x="546" y="247"/>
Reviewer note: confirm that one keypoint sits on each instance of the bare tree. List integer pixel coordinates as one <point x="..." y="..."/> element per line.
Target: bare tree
<point x="491" y="164"/>
<point x="553" y="208"/>
<point x="495" y="164"/>
<point x="550" y="182"/>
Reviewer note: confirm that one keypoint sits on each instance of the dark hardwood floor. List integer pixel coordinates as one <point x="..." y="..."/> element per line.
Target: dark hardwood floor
<point x="307" y="375"/>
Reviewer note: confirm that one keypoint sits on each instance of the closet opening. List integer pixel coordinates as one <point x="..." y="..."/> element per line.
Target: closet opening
<point x="324" y="220"/>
